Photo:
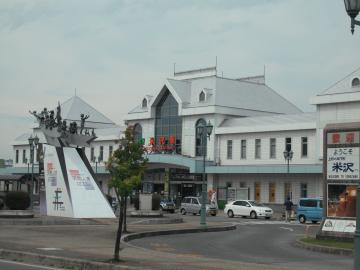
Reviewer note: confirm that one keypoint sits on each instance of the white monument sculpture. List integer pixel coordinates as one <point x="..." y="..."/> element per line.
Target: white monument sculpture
<point x="70" y="187"/>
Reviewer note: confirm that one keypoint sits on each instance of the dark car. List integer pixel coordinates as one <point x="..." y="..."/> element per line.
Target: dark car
<point x="167" y="205"/>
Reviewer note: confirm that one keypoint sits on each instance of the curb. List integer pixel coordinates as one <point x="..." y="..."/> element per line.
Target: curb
<point x="324" y="249"/>
<point x="61" y="262"/>
<point x="158" y="221"/>
<point x="133" y="236"/>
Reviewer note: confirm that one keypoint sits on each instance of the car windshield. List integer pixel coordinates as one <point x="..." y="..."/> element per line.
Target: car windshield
<point x="253" y="203"/>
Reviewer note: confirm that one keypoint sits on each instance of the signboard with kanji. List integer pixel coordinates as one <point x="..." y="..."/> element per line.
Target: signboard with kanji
<point x="343" y="163"/>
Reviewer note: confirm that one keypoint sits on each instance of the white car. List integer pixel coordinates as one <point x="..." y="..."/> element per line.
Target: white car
<point x="247" y="208"/>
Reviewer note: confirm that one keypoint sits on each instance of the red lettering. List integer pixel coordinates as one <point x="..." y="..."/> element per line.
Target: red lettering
<point x="350" y="137"/>
<point x="172" y="139"/>
<point x="152" y="141"/>
<point x="335" y="138"/>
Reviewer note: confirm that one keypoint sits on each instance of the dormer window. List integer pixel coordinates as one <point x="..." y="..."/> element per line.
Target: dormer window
<point x="202" y="96"/>
<point x="144" y="103"/>
<point x="355" y="82"/>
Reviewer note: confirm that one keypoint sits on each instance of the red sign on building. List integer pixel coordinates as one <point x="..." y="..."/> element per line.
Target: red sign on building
<point x="172" y="139"/>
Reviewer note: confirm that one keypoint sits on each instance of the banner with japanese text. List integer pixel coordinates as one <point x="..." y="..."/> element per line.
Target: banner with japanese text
<point x="343" y="163"/>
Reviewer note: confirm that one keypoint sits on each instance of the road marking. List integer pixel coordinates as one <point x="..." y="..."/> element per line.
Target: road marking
<point x="50" y="248"/>
<point x="285" y="228"/>
<point x="30" y="265"/>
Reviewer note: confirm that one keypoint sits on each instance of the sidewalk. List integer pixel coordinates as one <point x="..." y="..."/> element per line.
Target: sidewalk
<point x="91" y="247"/>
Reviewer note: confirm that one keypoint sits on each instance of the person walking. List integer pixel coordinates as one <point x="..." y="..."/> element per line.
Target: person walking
<point x="288" y="208"/>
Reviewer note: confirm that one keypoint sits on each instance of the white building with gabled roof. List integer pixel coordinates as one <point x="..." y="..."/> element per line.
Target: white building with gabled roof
<point x="107" y="132"/>
<point x="252" y="126"/>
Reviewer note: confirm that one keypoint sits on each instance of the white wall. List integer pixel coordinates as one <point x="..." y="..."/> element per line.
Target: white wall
<point x="265" y="148"/>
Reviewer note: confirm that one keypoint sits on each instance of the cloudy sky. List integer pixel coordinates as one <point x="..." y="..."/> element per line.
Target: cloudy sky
<point x="115" y="52"/>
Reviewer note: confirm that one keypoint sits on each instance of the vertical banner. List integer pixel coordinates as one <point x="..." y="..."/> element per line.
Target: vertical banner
<point x="58" y="201"/>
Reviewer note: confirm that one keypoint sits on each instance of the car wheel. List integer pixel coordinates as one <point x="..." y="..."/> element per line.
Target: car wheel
<point x="230" y="214"/>
<point x="182" y="211"/>
<point x="195" y="214"/>
<point x="267" y="217"/>
<point x="213" y="214"/>
<point x="253" y="215"/>
<point x="314" y="221"/>
<point x="302" y="219"/>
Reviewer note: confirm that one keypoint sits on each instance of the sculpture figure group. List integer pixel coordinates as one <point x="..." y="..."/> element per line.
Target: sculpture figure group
<point x="50" y="121"/>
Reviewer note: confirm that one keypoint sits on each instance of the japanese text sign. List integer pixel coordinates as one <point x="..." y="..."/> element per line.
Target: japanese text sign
<point x="343" y="163"/>
<point x="348" y="137"/>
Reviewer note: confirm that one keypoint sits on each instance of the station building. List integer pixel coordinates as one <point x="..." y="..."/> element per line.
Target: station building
<point x="252" y="127"/>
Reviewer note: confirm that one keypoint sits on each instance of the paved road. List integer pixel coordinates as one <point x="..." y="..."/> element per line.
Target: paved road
<point x="255" y="241"/>
<point x="8" y="265"/>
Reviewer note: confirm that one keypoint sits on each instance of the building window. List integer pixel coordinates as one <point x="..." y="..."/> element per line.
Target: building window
<point x="303" y="190"/>
<point x="202" y="96"/>
<point x="304" y="146"/>
<point x="101" y="154"/>
<point x="272" y="192"/>
<point x="17" y="156"/>
<point x="243" y="149"/>
<point x="138" y="133"/>
<point x="272" y="148"/>
<point x="168" y="122"/>
<point x="229" y="149"/>
<point x="198" y="139"/>
<point x="355" y="82"/>
<point x="144" y="103"/>
<point x="288" y="144"/>
<point x="24" y="160"/>
<point x="92" y="155"/>
<point x="110" y="150"/>
<point x="257" y="148"/>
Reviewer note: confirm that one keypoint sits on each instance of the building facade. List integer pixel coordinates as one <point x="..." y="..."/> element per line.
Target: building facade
<point x="252" y="127"/>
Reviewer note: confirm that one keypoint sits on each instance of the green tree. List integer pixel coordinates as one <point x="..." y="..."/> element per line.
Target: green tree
<point x="126" y="167"/>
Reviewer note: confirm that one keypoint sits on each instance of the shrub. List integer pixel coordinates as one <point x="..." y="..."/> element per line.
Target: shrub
<point x="17" y="200"/>
<point x="156" y="201"/>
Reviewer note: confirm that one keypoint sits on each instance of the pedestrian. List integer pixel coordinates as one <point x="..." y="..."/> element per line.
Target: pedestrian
<point x="288" y="208"/>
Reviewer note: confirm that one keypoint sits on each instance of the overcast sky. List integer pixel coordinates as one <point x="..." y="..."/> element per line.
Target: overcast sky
<point x="115" y="52"/>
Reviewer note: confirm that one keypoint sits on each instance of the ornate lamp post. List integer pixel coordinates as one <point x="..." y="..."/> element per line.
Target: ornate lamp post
<point x="352" y="8"/>
<point x="288" y="155"/>
<point x="204" y="132"/>
<point x="96" y="160"/>
<point x="33" y="143"/>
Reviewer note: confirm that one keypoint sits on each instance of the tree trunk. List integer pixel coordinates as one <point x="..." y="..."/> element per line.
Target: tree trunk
<point x="125" y="208"/>
<point x="119" y="231"/>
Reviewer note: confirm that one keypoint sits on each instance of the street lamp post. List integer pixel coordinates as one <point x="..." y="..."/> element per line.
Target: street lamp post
<point x="352" y="8"/>
<point x="33" y="143"/>
<point x="204" y="132"/>
<point x="288" y="155"/>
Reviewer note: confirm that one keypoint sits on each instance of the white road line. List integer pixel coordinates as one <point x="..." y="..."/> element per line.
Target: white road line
<point x="30" y="265"/>
<point x="285" y="228"/>
<point x="50" y="248"/>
